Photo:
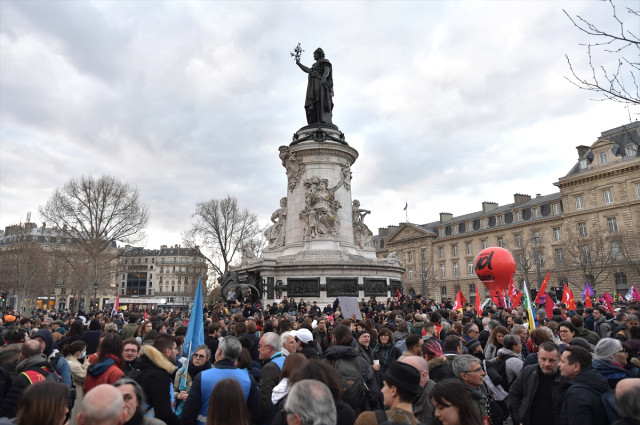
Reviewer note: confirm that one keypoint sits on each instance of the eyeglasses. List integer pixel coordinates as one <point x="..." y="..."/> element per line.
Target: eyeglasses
<point x="622" y="351"/>
<point x="475" y="370"/>
<point x="199" y="356"/>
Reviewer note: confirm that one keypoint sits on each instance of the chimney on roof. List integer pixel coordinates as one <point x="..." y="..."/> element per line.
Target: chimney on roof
<point x="520" y="198"/>
<point x="538" y="195"/>
<point x="163" y="247"/>
<point x="489" y="206"/>
<point x="445" y="217"/>
<point x="582" y="150"/>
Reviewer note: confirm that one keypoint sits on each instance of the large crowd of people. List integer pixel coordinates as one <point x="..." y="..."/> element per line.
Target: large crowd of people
<point x="404" y="361"/>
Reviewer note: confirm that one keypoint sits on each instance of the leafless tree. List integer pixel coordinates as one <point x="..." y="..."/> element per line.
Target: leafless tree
<point x="428" y="277"/>
<point x="223" y="228"/>
<point x="629" y="250"/>
<point x="528" y="254"/>
<point x="93" y="214"/>
<point x="591" y="254"/>
<point x="620" y="81"/>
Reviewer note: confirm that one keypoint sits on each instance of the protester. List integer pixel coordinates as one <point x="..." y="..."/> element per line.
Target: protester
<point x="609" y="359"/>
<point x="73" y="353"/>
<point x="107" y="368"/>
<point x="469" y="371"/>
<point x="44" y="404"/>
<point x="104" y="405"/>
<point x="200" y="361"/>
<point x="453" y="405"/>
<point x="133" y="399"/>
<point x="293" y="362"/>
<point x="228" y="393"/>
<point x="310" y="403"/>
<point x="495" y="342"/>
<point x="628" y="401"/>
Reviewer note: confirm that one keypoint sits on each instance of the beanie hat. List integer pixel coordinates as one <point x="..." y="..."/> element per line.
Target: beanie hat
<point x="403" y="376"/>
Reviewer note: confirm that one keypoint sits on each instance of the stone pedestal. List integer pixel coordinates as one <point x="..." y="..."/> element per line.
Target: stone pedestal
<point x="319" y="246"/>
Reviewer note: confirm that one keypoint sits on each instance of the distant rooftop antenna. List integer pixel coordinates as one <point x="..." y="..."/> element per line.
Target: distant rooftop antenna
<point x="29" y="217"/>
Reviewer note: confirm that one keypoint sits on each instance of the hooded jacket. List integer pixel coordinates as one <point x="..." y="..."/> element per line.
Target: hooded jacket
<point x="156" y="379"/>
<point x="51" y="352"/>
<point x="582" y="405"/>
<point x="105" y="371"/>
<point x="611" y="372"/>
<point x="21" y="382"/>
<point x="347" y="352"/>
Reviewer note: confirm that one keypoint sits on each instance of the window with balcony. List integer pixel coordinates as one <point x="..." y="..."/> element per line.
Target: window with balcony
<point x="608" y="196"/>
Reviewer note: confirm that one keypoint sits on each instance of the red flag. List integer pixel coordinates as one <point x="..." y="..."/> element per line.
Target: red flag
<point x="606" y="304"/>
<point x="609" y="301"/>
<point x="424" y="332"/>
<point x="587" y="302"/>
<point x="116" y="305"/>
<point x="462" y="298"/>
<point x="572" y="301"/>
<point x="477" y="304"/>
<point x="145" y="314"/>
<point x="549" y="305"/>
<point x="542" y="292"/>
<point x="514" y="295"/>
<point x="398" y="292"/>
<point x="458" y="304"/>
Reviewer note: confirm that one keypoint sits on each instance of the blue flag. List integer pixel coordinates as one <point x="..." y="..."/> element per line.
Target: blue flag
<point x="195" y="331"/>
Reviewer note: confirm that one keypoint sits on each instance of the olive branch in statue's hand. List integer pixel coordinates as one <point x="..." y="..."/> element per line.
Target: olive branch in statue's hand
<point x="297" y="52"/>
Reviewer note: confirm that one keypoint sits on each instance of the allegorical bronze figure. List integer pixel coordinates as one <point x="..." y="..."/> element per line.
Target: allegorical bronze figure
<point x="319" y="99"/>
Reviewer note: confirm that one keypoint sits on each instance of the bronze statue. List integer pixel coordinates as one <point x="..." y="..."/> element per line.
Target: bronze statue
<point x="319" y="100"/>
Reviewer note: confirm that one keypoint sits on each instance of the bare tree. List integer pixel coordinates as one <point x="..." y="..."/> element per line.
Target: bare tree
<point x="620" y="81"/>
<point x="628" y="250"/>
<point x="592" y="255"/>
<point x="223" y="228"/>
<point x="93" y="214"/>
<point x="428" y="278"/>
<point x="528" y="252"/>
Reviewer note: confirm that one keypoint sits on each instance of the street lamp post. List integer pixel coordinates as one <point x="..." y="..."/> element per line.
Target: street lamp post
<point x="95" y="294"/>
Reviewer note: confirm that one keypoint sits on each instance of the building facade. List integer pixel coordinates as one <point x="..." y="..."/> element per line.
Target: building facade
<point x="587" y="232"/>
<point x="168" y="275"/>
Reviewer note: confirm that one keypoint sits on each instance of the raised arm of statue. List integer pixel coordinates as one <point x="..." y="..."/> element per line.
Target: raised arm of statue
<point x="302" y="67"/>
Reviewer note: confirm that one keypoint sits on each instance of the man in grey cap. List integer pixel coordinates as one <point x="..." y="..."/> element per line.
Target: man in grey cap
<point x="401" y="385"/>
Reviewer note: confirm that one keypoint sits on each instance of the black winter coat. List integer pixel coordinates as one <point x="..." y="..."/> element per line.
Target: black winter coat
<point x="523" y="391"/>
<point x="582" y="405"/>
<point x="156" y="379"/>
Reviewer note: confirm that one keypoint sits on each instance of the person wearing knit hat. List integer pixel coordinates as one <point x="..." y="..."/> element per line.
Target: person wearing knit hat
<point x="401" y="386"/>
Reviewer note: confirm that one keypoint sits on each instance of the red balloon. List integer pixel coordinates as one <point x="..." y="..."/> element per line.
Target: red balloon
<point x="495" y="267"/>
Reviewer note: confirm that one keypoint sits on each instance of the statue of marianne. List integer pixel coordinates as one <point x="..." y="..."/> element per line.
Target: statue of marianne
<point x="319" y="100"/>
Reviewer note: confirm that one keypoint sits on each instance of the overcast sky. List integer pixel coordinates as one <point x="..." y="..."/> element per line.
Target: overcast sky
<point x="449" y="103"/>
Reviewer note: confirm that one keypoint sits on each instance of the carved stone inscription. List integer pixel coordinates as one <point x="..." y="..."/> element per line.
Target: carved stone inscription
<point x="375" y="287"/>
<point x="303" y="287"/>
<point x="270" y="288"/>
<point x="342" y="287"/>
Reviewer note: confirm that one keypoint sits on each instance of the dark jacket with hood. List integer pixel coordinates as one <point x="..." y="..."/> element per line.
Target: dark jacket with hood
<point x="373" y="397"/>
<point x="20" y="383"/>
<point x="156" y="379"/>
<point x="582" y="405"/>
<point x="51" y="352"/>
<point x="590" y="336"/>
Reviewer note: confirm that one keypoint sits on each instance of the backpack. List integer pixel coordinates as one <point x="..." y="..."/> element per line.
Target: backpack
<point x="351" y="376"/>
<point x="382" y="419"/>
<point x="401" y="344"/>
<point x="497" y="371"/>
<point x="42" y="374"/>
<point x="607" y="401"/>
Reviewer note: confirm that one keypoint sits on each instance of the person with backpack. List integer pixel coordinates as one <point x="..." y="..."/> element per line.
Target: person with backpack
<point x="507" y="366"/>
<point x="33" y="368"/>
<point x="582" y="402"/>
<point x="602" y="326"/>
<point x="401" y="386"/>
<point x="361" y="389"/>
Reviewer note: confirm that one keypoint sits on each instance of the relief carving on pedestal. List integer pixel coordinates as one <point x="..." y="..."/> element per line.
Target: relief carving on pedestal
<point x="375" y="287"/>
<point x="276" y="232"/>
<point x="320" y="213"/>
<point x="391" y="258"/>
<point x="292" y="164"/>
<point x="303" y="287"/>
<point x="362" y="235"/>
<point x="342" y="287"/>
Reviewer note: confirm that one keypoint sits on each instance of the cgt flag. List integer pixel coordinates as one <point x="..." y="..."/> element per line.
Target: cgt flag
<point x="195" y="329"/>
<point x="542" y="292"/>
